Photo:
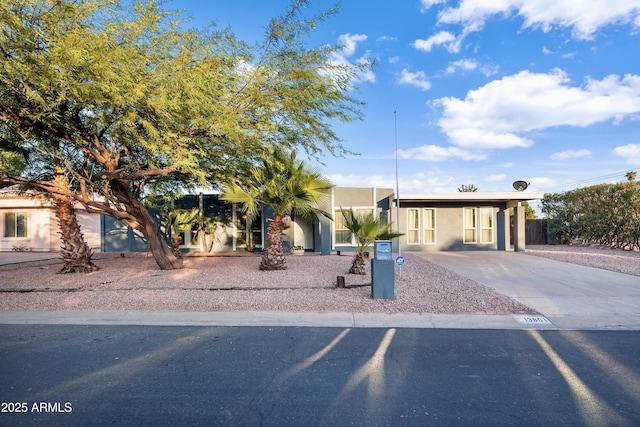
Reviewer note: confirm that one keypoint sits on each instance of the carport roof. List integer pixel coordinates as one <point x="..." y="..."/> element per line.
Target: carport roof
<point x="511" y="197"/>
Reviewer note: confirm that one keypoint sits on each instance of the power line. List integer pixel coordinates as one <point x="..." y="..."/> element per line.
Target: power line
<point x="598" y="179"/>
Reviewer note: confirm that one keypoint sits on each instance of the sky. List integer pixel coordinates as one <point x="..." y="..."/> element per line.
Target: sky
<point x="482" y="92"/>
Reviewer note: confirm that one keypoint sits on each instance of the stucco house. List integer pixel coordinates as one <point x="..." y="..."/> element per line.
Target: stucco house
<point x="461" y="221"/>
<point x="28" y="222"/>
<point x="429" y="222"/>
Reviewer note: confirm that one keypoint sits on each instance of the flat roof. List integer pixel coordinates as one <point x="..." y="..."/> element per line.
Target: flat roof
<point x="507" y="196"/>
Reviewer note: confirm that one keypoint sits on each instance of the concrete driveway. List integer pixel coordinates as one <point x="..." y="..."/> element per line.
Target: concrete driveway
<point x="570" y="296"/>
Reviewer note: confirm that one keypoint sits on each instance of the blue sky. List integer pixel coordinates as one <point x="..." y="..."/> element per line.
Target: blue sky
<point x="485" y="92"/>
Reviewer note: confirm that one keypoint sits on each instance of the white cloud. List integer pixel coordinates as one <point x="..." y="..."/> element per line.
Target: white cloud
<point x="426" y="4"/>
<point x="352" y="180"/>
<point x="386" y="38"/>
<point x="470" y="65"/>
<point x="441" y="38"/>
<point x="420" y="182"/>
<point x="465" y="64"/>
<point x="342" y="58"/>
<point x="583" y="17"/>
<point x="496" y="177"/>
<point x="498" y="114"/>
<point x="418" y="79"/>
<point x="349" y="42"/>
<point x="570" y="154"/>
<point x="435" y="153"/>
<point x="630" y="152"/>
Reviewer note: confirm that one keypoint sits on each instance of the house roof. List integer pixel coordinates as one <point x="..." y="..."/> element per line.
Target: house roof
<point x="511" y="197"/>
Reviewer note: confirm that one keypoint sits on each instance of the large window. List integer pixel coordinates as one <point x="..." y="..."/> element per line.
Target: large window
<point x="413" y="226"/>
<point x="342" y="235"/>
<point x="15" y="224"/>
<point x="421" y="229"/>
<point x="429" y="225"/>
<point x="469" y="224"/>
<point x="478" y="227"/>
<point x="486" y="225"/>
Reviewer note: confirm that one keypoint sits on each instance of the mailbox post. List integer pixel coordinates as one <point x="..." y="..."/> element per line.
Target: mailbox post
<point x="382" y="270"/>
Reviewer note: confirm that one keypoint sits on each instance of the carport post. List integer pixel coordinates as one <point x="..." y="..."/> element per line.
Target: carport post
<point x="519" y="229"/>
<point x="503" y="228"/>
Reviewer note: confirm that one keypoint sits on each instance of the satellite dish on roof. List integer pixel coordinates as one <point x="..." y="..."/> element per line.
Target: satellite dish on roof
<point x="520" y="185"/>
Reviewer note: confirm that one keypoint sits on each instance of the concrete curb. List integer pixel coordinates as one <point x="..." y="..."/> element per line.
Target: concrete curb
<point x="263" y="318"/>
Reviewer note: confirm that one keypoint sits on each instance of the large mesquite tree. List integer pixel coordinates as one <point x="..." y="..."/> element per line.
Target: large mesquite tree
<point x="126" y="99"/>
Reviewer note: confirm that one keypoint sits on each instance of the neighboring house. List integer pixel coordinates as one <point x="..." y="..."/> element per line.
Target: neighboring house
<point x="28" y="222"/>
<point x="429" y="222"/>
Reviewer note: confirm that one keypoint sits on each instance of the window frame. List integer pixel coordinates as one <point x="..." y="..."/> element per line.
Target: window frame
<point x="16" y="235"/>
<point x="417" y="229"/>
<point x="482" y="228"/>
<point x="425" y="228"/>
<point x="466" y="228"/>
<point x="337" y="213"/>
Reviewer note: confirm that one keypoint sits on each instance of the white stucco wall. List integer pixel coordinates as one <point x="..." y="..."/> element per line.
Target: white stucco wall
<point x="42" y="226"/>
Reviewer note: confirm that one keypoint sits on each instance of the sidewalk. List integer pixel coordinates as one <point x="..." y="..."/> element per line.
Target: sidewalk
<point x="27" y="256"/>
<point x="262" y="318"/>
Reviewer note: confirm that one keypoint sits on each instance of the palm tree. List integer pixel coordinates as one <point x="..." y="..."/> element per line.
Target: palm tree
<point x="631" y="176"/>
<point x="467" y="188"/>
<point x="366" y="229"/>
<point x="178" y="222"/>
<point x="75" y="251"/>
<point x="285" y="184"/>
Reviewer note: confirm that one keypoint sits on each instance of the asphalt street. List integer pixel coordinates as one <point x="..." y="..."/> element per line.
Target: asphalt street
<point x="287" y="376"/>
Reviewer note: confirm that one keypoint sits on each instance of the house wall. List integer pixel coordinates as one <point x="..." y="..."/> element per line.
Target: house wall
<point x="39" y="224"/>
<point x="43" y="233"/>
<point x="376" y="199"/>
<point x="320" y="234"/>
<point x="449" y="227"/>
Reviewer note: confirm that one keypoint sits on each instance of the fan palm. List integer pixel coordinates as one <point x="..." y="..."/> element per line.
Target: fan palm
<point x="366" y="229"/>
<point x="285" y="184"/>
<point x="178" y="222"/>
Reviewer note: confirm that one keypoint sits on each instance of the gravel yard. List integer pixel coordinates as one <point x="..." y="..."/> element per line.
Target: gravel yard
<point x="596" y="256"/>
<point x="233" y="283"/>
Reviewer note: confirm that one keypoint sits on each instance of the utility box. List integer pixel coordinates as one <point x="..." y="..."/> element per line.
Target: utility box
<point x="382" y="270"/>
<point x="382" y="250"/>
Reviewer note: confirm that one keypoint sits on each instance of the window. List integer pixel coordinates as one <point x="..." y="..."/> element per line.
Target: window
<point x="429" y="225"/>
<point x="486" y="225"/>
<point x="469" y="224"/>
<point x="342" y="235"/>
<point x="413" y="226"/>
<point x="15" y="224"/>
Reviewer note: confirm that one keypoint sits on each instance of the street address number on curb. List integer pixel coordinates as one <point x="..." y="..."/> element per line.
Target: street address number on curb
<point x="532" y="319"/>
<point x="399" y="260"/>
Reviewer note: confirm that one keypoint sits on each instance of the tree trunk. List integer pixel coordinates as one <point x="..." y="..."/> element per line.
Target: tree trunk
<point x="358" y="265"/>
<point x="75" y="252"/>
<point x="159" y="248"/>
<point x="176" y="241"/>
<point x="273" y="257"/>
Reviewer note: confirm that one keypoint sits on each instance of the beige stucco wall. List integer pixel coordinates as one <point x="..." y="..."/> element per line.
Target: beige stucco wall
<point x="347" y="197"/>
<point x="449" y="230"/>
<point x="42" y="226"/>
<point x="38" y="222"/>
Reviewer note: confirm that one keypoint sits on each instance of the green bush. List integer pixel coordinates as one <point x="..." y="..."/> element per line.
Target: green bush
<point x="608" y="214"/>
